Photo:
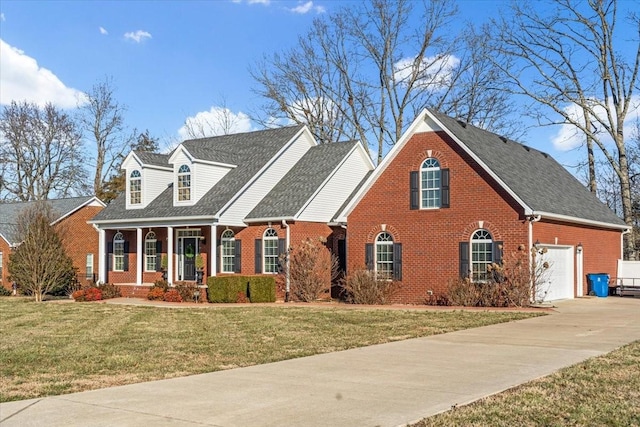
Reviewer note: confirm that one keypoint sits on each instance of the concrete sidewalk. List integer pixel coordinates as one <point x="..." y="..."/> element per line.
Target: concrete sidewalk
<point x="382" y="385"/>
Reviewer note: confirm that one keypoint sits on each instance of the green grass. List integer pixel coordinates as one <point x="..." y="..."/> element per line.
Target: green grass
<point x="601" y="391"/>
<point x="56" y="348"/>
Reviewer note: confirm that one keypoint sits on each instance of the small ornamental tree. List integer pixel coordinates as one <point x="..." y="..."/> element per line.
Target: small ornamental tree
<point x="40" y="265"/>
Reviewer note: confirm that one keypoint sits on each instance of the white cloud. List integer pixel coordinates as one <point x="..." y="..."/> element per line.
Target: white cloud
<point x="264" y="2"/>
<point x="303" y="8"/>
<point x="2" y="18"/>
<point x="137" y="36"/>
<point x="103" y="31"/>
<point x="569" y="137"/>
<point x="435" y="71"/>
<point x="216" y="121"/>
<point x="22" y="79"/>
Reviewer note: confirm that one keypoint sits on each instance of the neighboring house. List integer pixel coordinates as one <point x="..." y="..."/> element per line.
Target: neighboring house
<point x="80" y="238"/>
<point x="450" y="198"/>
<point x="236" y="201"/>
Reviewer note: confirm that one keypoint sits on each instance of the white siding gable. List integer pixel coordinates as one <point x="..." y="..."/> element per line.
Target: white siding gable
<point x="206" y="175"/>
<point x="324" y="204"/>
<point x="271" y="174"/>
<point x="154" y="182"/>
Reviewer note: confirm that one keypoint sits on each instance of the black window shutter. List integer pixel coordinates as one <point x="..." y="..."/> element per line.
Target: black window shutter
<point x="445" y="194"/>
<point x="110" y="256"/>
<point x="368" y="255"/>
<point x="414" y="185"/>
<point x="282" y="249"/>
<point x="397" y="261"/>
<point x="158" y="255"/>
<point x="497" y="252"/>
<point x="237" y="265"/>
<point x="258" y="256"/>
<point x="464" y="259"/>
<point x="126" y="256"/>
<point x="219" y="257"/>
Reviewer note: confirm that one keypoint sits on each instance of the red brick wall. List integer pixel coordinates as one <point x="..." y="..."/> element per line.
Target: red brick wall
<point x="6" y="251"/>
<point x="601" y="247"/>
<point x="80" y="238"/>
<point x="430" y="238"/>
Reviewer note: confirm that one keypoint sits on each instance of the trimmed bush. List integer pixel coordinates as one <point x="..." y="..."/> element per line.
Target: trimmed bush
<point x="226" y="289"/>
<point x="156" y="294"/>
<point x="110" y="290"/>
<point x="262" y="289"/>
<point x="172" y="295"/>
<point x="186" y="290"/>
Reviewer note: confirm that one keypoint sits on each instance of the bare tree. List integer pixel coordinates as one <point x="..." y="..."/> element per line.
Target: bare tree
<point x="220" y="120"/>
<point x="40" y="265"/>
<point x="365" y="72"/>
<point x="40" y="153"/>
<point x="567" y="60"/>
<point x="102" y="120"/>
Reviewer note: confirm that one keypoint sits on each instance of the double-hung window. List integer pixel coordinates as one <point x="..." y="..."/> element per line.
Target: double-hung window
<point x="184" y="183"/>
<point x="384" y="256"/>
<point x="228" y="254"/>
<point x="118" y="252"/>
<point x="270" y="251"/>
<point x="150" y="254"/>
<point x="430" y="184"/>
<point x="135" y="188"/>
<point x="481" y="255"/>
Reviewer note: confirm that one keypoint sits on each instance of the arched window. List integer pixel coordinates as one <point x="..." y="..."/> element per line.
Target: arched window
<point x="384" y="256"/>
<point x="430" y="185"/>
<point x="270" y="251"/>
<point x="228" y="251"/>
<point x="184" y="183"/>
<point x="150" y="252"/>
<point x="481" y="255"/>
<point x="118" y="252"/>
<point x="135" y="188"/>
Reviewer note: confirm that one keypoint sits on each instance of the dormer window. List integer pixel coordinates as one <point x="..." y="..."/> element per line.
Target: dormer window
<point x="135" y="188"/>
<point x="184" y="183"/>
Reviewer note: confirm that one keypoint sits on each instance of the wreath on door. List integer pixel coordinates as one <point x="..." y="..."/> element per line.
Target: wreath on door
<point x="189" y="252"/>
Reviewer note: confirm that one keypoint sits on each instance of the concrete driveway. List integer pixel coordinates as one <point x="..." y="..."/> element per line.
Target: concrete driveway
<point x="382" y="385"/>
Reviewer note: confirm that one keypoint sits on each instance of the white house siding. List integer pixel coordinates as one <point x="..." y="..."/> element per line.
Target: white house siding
<point x="206" y="176"/>
<point x="337" y="189"/>
<point x="254" y="193"/>
<point x="154" y="182"/>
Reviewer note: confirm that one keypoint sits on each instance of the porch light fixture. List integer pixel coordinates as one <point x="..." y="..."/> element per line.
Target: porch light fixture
<point x="579" y="248"/>
<point x="203" y="240"/>
<point x="536" y="244"/>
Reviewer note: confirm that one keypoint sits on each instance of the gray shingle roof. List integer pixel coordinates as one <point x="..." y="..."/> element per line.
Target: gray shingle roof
<point x="535" y="177"/>
<point x="9" y="213"/>
<point x="153" y="159"/>
<point x="248" y="151"/>
<point x="298" y="185"/>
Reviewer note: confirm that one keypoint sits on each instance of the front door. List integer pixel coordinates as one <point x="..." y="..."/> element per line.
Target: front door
<point x="189" y="258"/>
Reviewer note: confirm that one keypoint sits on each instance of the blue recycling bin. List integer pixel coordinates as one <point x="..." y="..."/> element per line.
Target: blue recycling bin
<point x="599" y="284"/>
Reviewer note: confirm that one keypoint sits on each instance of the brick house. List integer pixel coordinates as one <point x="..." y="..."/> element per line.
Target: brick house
<point x="80" y="238"/>
<point x="450" y="198"/>
<point x="236" y="202"/>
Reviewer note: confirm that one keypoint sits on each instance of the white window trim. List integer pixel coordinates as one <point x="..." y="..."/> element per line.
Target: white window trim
<point x="272" y="237"/>
<point x="389" y="275"/>
<point x="131" y="179"/>
<point x="191" y="184"/>
<point x="471" y="261"/>
<point x="147" y="257"/>
<point x="225" y="239"/>
<point x="115" y="257"/>
<point x="424" y="169"/>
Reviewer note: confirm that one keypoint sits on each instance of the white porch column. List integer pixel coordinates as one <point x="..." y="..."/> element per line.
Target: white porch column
<point x="102" y="258"/>
<point x="170" y="255"/>
<point x="213" y="257"/>
<point x="139" y="256"/>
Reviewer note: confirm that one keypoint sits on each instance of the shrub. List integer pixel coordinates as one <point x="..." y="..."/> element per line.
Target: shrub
<point x="4" y="292"/>
<point x="79" y="295"/>
<point x="187" y="290"/>
<point x="156" y="294"/>
<point x="172" y="295"/>
<point x="225" y="289"/>
<point x="242" y="298"/>
<point x="162" y="284"/>
<point x="109" y="290"/>
<point x="311" y="268"/>
<point x="92" y="294"/>
<point x="362" y="287"/>
<point x="262" y="289"/>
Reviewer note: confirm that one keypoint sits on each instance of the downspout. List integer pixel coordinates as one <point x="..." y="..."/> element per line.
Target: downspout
<point x="532" y="219"/>
<point x="627" y="231"/>
<point x="287" y="275"/>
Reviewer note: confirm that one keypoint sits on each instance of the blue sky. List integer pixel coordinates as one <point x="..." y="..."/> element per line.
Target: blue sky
<point x="169" y="60"/>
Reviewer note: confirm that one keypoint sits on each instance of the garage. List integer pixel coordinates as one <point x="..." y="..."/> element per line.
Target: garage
<point x="558" y="280"/>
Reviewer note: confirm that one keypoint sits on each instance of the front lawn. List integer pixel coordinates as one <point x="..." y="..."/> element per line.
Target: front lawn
<point x="56" y="348"/>
<point x="601" y="391"/>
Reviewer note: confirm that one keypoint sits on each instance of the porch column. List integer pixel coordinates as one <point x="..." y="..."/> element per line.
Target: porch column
<point x="213" y="257"/>
<point x="102" y="258"/>
<point x="170" y="255"/>
<point x="139" y="256"/>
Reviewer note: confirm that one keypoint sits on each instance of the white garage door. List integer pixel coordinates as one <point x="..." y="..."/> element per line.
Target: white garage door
<point x="558" y="280"/>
